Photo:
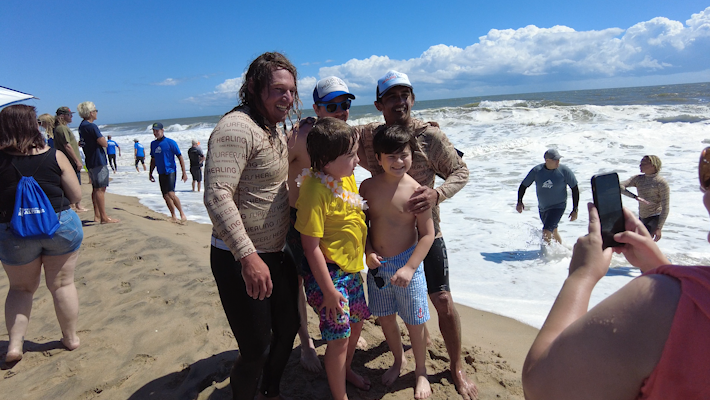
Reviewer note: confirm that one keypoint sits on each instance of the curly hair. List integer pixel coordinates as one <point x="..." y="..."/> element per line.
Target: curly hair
<point x="329" y="139"/>
<point x="258" y="77"/>
<point x="19" y="131"/>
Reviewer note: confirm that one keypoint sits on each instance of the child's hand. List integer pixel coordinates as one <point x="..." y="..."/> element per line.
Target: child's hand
<point x="332" y="302"/>
<point x="373" y="260"/>
<point x="403" y="276"/>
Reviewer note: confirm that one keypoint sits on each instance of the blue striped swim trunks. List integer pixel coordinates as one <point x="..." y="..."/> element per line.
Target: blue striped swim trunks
<point x="409" y="302"/>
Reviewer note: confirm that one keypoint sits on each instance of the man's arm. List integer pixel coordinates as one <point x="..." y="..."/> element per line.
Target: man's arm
<point x="102" y="141"/>
<point x="119" y="149"/>
<point x="77" y="160"/>
<point x="152" y="167"/>
<point x="447" y="163"/>
<point x="575" y="203"/>
<point x="521" y="193"/>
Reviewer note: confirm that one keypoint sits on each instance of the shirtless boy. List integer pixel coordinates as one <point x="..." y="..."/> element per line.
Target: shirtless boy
<point x="397" y="243"/>
<point x="331" y="98"/>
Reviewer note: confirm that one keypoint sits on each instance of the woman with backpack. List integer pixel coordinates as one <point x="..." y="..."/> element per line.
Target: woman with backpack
<point x="23" y="152"/>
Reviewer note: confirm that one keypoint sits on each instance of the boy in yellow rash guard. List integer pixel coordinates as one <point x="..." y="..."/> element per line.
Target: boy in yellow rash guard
<point x="331" y="221"/>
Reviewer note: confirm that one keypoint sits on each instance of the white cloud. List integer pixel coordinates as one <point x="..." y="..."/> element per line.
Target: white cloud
<point x="168" y="82"/>
<point x="530" y="55"/>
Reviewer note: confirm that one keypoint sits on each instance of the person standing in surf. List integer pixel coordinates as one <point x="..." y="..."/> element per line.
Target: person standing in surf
<point x="246" y="197"/>
<point x="436" y="156"/>
<point x="654" y="195"/>
<point x="551" y="181"/>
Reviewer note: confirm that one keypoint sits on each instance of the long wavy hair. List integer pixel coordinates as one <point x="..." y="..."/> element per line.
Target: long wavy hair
<point x="19" y="131"/>
<point x="48" y="122"/>
<point x="258" y="77"/>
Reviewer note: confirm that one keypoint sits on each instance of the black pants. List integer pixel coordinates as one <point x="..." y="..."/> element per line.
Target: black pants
<point x="112" y="162"/>
<point x="264" y="329"/>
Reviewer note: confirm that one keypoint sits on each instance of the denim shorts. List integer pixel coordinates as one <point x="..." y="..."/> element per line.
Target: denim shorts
<point x="19" y="251"/>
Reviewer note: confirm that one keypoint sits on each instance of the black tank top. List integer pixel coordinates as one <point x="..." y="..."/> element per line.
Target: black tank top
<point x="48" y="175"/>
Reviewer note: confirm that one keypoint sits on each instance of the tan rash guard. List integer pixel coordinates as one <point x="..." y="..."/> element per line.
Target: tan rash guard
<point x="436" y="155"/>
<point x="245" y="185"/>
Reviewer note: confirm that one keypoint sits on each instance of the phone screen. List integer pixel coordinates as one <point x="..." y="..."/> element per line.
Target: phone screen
<point x="607" y="200"/>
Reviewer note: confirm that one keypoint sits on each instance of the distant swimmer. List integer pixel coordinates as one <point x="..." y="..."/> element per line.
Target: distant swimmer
<point x="139" y="154"/>
<point x="653" y="195"/>
<point x="197" y="158"/>
<point x="551" y="181"/>
<point x="163" y="151"/>
<point x="111" y="152"/>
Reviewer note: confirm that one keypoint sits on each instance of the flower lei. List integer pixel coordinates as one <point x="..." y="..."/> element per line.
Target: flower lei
<point x="331" y="183"/>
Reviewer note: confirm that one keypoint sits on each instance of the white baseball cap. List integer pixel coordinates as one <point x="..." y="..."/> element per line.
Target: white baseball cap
<point x="329" y="88"/>
<point x="391" y="79"/>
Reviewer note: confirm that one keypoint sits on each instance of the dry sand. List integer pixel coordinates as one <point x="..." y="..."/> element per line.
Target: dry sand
<point x="152" y="327"/>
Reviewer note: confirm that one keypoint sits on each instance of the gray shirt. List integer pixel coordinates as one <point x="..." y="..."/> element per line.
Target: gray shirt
<point x="551" y="185"/>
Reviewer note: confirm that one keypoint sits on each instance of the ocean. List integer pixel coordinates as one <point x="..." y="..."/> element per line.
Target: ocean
<point x="496" y="262"/>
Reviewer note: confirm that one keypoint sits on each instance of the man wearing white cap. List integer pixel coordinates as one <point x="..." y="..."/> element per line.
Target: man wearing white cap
<point x="551" y="181"/>
<point x="435" y="156"/>
<point x="331" y="98"/>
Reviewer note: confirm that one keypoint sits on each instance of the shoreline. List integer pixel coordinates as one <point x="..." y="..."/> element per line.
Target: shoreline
<point x="150" y="314"/>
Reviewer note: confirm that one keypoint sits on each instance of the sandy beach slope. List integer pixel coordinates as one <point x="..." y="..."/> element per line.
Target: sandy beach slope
<point x="152" y="327"/>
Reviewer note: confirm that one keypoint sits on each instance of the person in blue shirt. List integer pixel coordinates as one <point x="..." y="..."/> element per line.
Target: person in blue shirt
<point x="551" y="181"/>
<point x="139" y="154"/>
<point x="95" y="162"/>
<point x="111" y="152"/>
<point x="163" y="151"/>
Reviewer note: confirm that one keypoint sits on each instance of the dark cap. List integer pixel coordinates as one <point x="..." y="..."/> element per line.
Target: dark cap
<point x="64" y="111"/>
<point x="552" y="154"/>
<point x="157" y="126"/>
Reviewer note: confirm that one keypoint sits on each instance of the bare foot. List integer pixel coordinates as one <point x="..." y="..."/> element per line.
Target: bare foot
<point x="357" y="380"/>
<point x="70" y="344"/>
<point x="110" y="220"/>
<point x="309" y="359"/>
<point x="464" y="386"/>
<point x="393" y="373"/>
<point x="422" y="389"/>
<point x="361" y="343"/>
<point x="13" y="355"/>
<point x="82" y="209"/>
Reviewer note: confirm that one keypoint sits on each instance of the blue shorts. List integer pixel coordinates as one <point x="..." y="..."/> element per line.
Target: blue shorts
<point x="19" y="251"/>
<point x="551" y="218"/>
<point x="354" y="310"/>
<point x="386" y="299"/>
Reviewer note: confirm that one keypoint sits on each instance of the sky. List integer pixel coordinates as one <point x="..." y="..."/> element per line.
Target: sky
<point x="153" y="60"/>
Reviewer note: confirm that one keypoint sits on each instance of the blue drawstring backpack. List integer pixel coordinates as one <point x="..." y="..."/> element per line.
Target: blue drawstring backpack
<point x="33" y="216"/>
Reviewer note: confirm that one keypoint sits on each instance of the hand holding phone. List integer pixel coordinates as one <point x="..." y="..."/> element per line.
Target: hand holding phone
<point x="607" y="199"/>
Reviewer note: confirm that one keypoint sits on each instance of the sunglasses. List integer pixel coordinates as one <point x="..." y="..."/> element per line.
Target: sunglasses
<point x="379" y="281"/>
<point x="704" y="169"/>
<point x="333" y="107"/>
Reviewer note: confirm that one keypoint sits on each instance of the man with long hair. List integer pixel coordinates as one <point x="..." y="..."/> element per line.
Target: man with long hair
<point x="247" y="200"/>
<point x="65" y="141"/>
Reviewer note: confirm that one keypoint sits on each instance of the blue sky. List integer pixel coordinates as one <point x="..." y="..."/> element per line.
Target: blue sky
<point x="152" y="60"/>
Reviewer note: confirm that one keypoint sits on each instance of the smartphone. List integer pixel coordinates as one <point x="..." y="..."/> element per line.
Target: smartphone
<point x="607" y="200"/>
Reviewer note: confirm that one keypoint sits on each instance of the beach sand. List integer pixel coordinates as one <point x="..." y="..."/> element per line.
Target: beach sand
<point x="152" y="327"/>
